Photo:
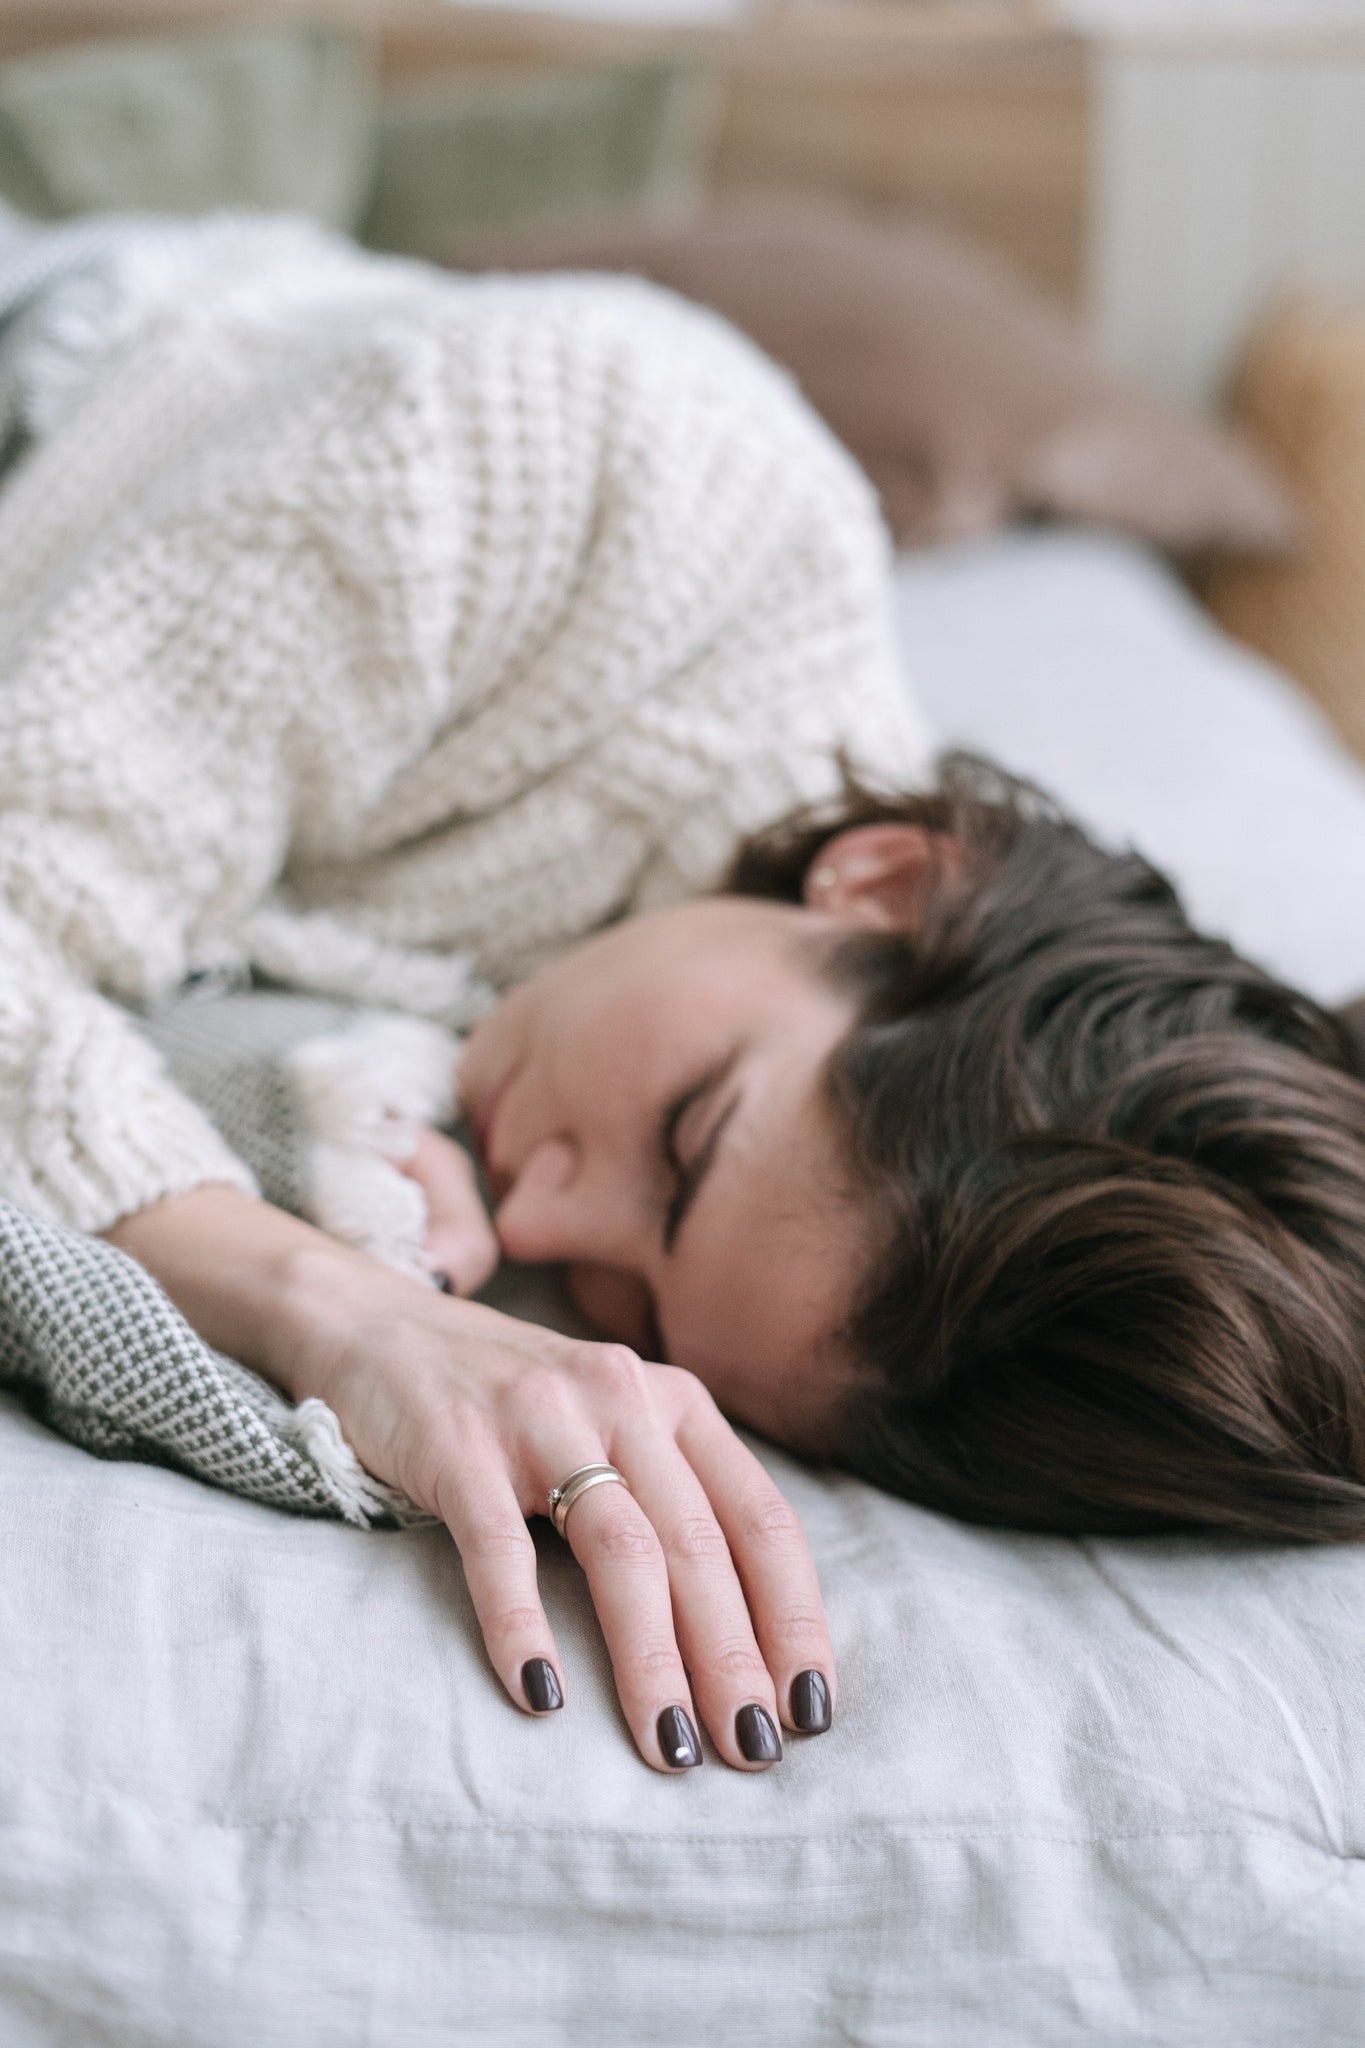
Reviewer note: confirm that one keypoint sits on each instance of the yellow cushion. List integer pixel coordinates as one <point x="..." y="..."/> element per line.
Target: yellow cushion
<point x="1302" y="396"/>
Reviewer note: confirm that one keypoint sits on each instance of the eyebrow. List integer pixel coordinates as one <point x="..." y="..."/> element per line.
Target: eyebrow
<point x="691" y="1176"/>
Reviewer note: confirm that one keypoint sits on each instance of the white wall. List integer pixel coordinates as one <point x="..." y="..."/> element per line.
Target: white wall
<point x="1222" y="182"/>
<point x="1197" y="15"/>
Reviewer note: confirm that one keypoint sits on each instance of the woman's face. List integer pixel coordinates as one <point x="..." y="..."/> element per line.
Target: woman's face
<point x="651" y="1114"/>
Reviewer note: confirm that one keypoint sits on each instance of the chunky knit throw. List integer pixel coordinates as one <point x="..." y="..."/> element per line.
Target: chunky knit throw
<point x="378" y="632"/>
<point x="384" y="631"/>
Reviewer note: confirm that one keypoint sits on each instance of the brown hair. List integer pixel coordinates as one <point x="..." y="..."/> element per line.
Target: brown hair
<point x="1119" y="1178"/>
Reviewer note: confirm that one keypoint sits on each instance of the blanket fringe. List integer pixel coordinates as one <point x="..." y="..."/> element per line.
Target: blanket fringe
<point x="365" y="1094"/>
<point x="360" y="1497"/>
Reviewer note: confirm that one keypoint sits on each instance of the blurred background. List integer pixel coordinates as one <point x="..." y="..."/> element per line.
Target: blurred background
<point x="1168" y="195"/>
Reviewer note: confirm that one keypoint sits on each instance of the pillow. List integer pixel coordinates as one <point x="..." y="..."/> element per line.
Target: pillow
<point x="968" y="400"/>
<point x="274" y="116"/>
<point x="1082" y="661"/>
<point x="1302" y="396"/>
<point x="481" y="153"/>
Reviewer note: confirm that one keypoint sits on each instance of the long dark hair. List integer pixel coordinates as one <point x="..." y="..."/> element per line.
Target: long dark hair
<point x="1117" y="1174"/>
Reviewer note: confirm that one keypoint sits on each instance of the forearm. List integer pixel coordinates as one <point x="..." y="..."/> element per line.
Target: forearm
<point x="254" y="1282"/>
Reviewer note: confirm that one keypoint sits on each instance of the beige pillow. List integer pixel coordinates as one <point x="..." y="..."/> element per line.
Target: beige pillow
<point x="968" y="399"/>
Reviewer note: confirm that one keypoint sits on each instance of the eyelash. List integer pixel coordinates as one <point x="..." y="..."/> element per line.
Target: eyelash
<point x="668" y="1133"/>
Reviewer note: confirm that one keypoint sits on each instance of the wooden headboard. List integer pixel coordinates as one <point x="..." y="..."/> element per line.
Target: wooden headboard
<point x="975" y="116"/>
<point x="1165" y="189"/>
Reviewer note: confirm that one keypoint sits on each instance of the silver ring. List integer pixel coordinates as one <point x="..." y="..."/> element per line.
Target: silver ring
<point x="563" y="1496"/>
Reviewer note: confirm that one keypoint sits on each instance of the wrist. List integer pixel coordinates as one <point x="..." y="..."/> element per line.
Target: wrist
<point x="254" y="1282"/>
<point x="317" y="1301"/>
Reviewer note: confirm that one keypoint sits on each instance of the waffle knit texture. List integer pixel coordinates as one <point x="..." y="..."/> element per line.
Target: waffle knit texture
<point x="321" y="1101"/>
<point x="96" y="1349"/>
<point x="381" y="631"/>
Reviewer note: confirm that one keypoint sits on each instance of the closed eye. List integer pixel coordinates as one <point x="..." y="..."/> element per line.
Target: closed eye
<point x="689" y="1174"/>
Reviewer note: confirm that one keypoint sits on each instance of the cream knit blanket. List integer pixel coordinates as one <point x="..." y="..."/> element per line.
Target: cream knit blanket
<point x="380" y="631"/>
<point x="383" y="630"/>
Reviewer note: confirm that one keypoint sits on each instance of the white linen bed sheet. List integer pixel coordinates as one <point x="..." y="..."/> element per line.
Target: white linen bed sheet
<point x="258" y="1786"/>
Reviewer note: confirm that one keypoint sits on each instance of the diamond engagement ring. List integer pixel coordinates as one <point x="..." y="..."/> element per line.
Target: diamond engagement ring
<point x="563" y="1496"/>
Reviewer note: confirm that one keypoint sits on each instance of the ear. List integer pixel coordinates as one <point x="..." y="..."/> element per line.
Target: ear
<point x="879" y="876"/>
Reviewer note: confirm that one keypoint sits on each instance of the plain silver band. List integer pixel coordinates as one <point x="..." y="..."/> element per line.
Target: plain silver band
<point x="563" y="1496"/>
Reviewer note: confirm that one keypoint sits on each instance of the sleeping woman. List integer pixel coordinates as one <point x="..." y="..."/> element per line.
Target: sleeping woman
<point x="516" y="654"/>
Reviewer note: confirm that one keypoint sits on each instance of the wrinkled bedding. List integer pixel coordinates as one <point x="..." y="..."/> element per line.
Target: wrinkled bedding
<point x="258" y="1784"/>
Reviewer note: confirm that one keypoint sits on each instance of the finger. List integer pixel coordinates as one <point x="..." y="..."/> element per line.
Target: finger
<point x="730" y="1679"/>
<point x="775" y="1567"/>
<point x="612" y="1539"/>
<point x="463" y="1260"/>
<point x="460" y="1239"/>
<point x="479" y="1508"/>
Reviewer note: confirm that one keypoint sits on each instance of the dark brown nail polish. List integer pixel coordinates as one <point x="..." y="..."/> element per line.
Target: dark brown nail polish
<point x="540" y="1686"/>
<point x="757" y="1737"/>
<point x="810" y="1703"/>
<point x="678" y="1744"/>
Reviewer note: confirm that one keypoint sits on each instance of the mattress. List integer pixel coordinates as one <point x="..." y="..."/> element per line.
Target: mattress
<point x="258" y="1784"/>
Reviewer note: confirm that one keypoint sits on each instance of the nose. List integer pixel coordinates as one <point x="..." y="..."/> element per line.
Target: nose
<point x="534" y="1218"/>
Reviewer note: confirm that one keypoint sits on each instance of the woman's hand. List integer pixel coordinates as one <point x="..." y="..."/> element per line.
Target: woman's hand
<point x="460" y="1240"/>
<point x="700" y="1573"/>
<point x="700" y="1568"/>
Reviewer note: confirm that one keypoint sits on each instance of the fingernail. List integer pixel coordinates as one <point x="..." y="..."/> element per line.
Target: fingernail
<point x="678" y="1744"/>
<point x="757" y="1738"/>
<point x="810" y="1703"/>
<point x="540" y="1686"/>
<point x="444" y="1285"/>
